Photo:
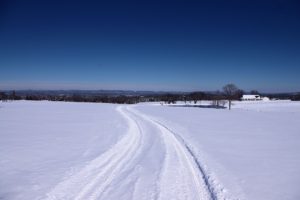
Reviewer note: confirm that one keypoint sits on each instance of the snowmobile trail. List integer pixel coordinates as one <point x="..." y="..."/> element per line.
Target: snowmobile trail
<point x="167" y="168"/>
<point x="182" y="176"/>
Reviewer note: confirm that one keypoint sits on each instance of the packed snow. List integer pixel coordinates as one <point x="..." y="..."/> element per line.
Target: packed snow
<point x="63" y="150"/>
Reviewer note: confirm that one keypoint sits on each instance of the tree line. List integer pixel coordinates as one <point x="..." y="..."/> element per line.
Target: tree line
<point x="229" y="92"/>
<point x="168" y="98"/>
<point x="119" y="99"/>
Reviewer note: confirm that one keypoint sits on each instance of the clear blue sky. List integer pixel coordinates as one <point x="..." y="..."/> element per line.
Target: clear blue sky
<point x="150" y="45"/>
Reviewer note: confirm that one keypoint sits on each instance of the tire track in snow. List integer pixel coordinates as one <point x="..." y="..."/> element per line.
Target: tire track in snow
<point x="183" y="177"/>
<point x="90" y="182"/>
<point x="205" y="176"/>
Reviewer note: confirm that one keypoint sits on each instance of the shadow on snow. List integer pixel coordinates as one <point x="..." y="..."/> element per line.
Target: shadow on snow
<point x="200" y="106"/>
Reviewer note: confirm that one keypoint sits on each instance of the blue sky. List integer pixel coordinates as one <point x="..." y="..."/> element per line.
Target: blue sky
<point x="150" y="45"/>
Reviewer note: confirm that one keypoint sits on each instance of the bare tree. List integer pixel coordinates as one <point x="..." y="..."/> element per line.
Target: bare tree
<point x="230" y="91"/>
<point x="197" y="96"/>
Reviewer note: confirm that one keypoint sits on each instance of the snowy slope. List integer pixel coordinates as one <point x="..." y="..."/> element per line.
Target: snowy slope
<point x="58" y="150"/>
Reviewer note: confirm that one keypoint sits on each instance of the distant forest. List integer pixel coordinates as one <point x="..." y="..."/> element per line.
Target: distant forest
<point x="131" y="97"/>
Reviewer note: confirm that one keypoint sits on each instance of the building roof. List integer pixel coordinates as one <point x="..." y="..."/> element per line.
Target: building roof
<point x="250" y="96"/>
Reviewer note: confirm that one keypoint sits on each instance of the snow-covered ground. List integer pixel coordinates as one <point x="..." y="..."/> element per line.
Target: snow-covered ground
<point x="59" y="150"/>
<point x="42" y="141"/>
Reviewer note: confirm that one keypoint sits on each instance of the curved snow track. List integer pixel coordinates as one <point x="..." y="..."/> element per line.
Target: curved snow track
<point x="133" y="169"/>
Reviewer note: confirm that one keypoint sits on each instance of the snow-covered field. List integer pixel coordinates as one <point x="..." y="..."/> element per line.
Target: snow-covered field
<point x="59" y="150"/>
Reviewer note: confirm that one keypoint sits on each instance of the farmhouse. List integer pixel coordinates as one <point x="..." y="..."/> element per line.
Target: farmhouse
<point x="251" y="97"/>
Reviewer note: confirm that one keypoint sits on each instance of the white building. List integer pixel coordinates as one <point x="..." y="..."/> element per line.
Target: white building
<point x="251" y="97"/>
